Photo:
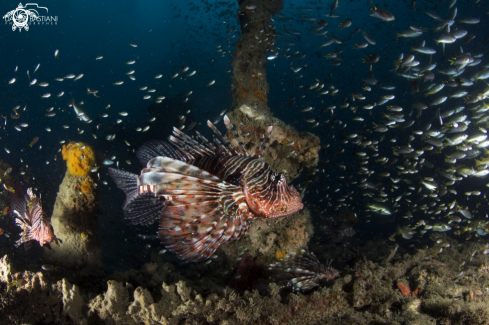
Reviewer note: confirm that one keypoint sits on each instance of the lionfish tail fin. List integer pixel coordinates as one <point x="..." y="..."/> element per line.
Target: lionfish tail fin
<point x="127" y="182"/>
<point x="230" y="127"/>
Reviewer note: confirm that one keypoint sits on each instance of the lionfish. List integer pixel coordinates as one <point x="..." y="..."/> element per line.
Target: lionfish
<point x="204" y="194"/>
<point x="33" y="221"/>
<point x="301" y="272"/>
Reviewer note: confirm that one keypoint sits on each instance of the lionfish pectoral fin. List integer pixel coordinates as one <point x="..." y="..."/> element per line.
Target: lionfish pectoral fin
<point x="18" y="205"/>
<point x="193" y="241"/>
<point x="144" y="209"/>
<point x="250" y="200"/>
<point x="127" y="182"/>
<point x="194" y="226"/>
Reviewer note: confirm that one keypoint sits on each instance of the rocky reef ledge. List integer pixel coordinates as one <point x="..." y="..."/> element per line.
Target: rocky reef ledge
<point x="396" y="289"/>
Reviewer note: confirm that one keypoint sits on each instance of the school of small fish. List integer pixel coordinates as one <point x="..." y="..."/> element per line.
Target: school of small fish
<point x="405" y="136"/>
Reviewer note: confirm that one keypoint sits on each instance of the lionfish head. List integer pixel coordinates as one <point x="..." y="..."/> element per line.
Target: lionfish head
<point x="274" y="198"/>
<point x="46" y="233"/>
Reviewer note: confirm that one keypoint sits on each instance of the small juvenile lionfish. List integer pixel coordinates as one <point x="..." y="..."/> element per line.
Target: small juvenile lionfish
<point x="301" y="272"/>
<point x="204" y="194"/>
<point x="32" y="220"/>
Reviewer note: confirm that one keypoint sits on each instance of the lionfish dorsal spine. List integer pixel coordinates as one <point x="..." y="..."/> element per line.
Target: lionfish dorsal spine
<point x="185" y="138"/>
<point x="222" y="141"/>
<point x="267" y="140"/>
<point x="155" y="148"/>
<point x="221" y="146"/>
<point x="187" y="142"/>
<point x="179" y="149"/>
<point x="264" y="141"/>
<point x="189" y="147"/>
<point x="180" y="144"/>
<point x="206" y="142"/>
<point x="230" y="127"/>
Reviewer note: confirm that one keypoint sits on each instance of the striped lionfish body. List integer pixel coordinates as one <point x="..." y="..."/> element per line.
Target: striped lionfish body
<point x="33" y="221"/>
<point x="204" y="194"/>
<point x="301" y="272"/>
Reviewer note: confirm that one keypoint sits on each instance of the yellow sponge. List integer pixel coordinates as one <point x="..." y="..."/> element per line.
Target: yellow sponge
<point x="79" y="157"/>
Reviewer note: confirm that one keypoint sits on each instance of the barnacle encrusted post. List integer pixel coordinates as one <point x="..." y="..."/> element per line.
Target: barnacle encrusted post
<point x="289" y="151"/>
<point x="73" y="217"/>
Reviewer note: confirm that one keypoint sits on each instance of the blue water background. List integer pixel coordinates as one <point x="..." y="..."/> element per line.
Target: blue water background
<point x="171" y="35"/>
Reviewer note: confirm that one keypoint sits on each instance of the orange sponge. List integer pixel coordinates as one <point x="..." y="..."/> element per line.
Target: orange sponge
<point x="280" y="254"/>
<point x="79" y="157"/>
<point x="86" y="187"/>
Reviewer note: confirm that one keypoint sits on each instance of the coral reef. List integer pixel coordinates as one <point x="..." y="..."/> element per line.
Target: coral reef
<point x="366" y="293"/>
<point x="79" y="157"/>
<point x="265" y="236"/>
<point x="30" y="298"/>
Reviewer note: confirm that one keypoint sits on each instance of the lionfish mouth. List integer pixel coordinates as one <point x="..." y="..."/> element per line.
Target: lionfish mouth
<point x="291" y="209"/>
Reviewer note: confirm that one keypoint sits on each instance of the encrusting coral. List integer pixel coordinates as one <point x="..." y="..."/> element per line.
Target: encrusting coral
<point x="79" y="157"/>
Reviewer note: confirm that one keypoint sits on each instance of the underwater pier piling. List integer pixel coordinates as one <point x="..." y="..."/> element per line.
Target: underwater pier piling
<point x="74" y="215"/>
<point x="289" y="151"/>
<point x="249" y="64"/>
<point x="75" y="224"/>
